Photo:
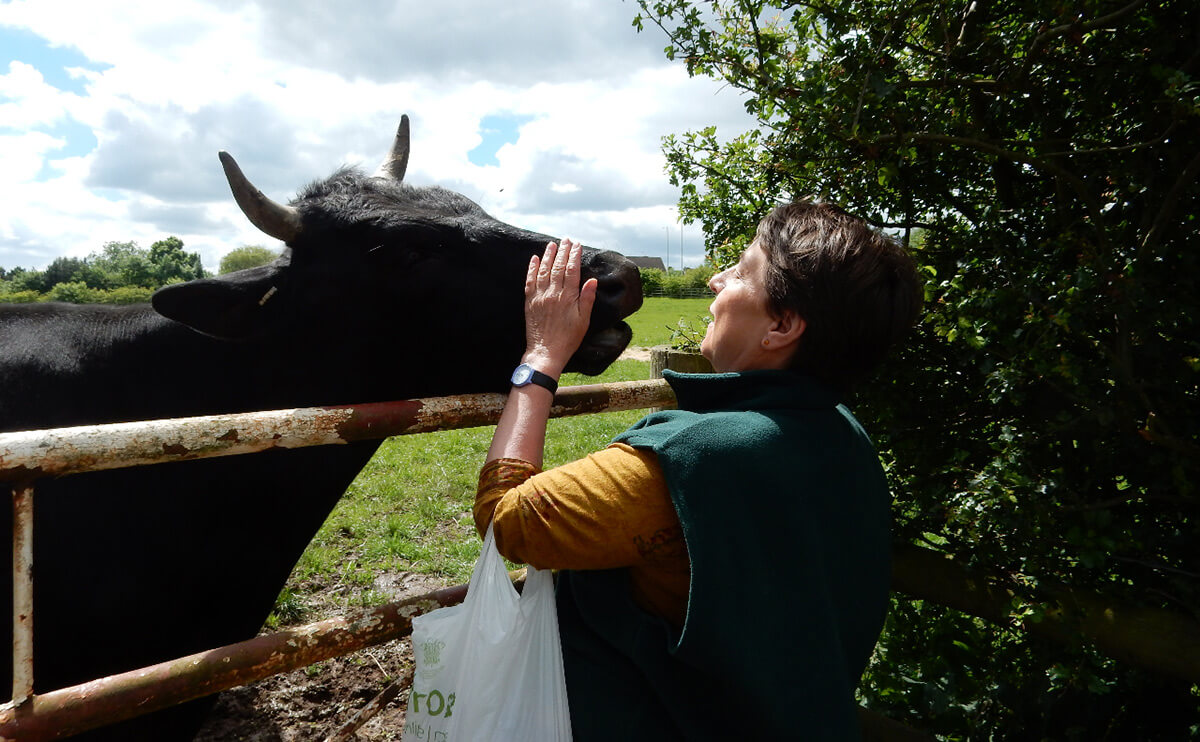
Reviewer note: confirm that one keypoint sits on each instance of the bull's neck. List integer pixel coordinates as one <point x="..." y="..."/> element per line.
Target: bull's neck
<point x="175" y="371"/>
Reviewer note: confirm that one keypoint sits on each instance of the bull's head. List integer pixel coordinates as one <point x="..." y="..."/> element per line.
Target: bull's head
<point x="379" y="272"/>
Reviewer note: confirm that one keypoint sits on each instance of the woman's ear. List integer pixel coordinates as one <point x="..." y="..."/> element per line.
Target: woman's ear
<point x="784" y="332"/>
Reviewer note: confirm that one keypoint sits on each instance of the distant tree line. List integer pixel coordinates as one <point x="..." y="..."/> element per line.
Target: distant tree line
<point x="676" y="284"/>
<point x="119" y="273"/>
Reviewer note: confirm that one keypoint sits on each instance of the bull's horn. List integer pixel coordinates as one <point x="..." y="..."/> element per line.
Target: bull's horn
<point x="396" y="162"/>
<point x="278" y="221"/>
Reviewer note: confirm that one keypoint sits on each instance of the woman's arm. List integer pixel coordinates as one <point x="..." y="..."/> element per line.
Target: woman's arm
<point x="608" y="509"/>
<point x="557" y="312"/>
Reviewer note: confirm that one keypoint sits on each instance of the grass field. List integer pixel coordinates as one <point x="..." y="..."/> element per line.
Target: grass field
<point x="653" y="323"/>
<point x="409" y="510"/>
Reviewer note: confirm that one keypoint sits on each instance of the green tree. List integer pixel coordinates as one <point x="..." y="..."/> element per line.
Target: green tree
<point x="63" y="270"/>
<point x="75" y="292"/>
<point x="675" y="283"/>
<point x="652" y="280"/>
<point x="97" y="277"/>
<point x="246" y="256"/>
<point x="171" y="264"/>
<point x="24" y="296"/>
<point x="1043" y="425"/>
<point x="23" y="279"/>
<point x="698" y="278"/>
<point x="122" y="264"/>
<point x="124" y="295"/>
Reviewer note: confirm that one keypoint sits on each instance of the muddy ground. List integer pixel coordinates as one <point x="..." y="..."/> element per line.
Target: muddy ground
<point x="315" y="702"/>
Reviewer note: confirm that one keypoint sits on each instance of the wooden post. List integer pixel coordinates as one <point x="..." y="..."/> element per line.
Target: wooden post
<point x="684" y="361"/>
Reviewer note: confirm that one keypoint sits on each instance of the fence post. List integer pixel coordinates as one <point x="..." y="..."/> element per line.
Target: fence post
<point x="684" y="361"/>
<point x="22" y="554"/>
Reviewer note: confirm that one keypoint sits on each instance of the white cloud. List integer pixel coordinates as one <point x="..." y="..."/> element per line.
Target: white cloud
<point x="295" y="89"/>
<point x="24" y="154"/>
<point x="26" y="100"/>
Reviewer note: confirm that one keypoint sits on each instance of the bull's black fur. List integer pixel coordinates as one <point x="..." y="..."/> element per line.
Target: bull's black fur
<point x="390" y="292"/>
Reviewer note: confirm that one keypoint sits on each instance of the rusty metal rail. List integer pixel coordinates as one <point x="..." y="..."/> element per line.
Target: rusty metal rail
<point x="116" y="698"/>
<point x="22" y="548"/>
<point x="30" y="455"/>
<point x="33" y="454"/>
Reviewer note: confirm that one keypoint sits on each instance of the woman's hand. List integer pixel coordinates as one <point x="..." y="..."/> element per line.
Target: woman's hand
<point x="557" y="312"/>
<point x="557" y="309"/>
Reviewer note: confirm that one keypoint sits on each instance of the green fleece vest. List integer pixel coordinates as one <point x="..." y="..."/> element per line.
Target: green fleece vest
<point x="785" y="511"/>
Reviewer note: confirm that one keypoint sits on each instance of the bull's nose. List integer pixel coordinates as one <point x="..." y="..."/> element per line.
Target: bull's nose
<point x="620" y="288"/>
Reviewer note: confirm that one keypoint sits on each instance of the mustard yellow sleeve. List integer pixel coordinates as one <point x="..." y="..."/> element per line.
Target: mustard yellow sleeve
<point x="610" y="509"/>
<point x="495" y="479"/>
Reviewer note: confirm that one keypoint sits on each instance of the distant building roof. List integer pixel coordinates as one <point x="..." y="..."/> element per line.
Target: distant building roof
<point x="645" y="261"/>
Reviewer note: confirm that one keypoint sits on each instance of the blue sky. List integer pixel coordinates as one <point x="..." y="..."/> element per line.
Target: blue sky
<point x="495" y="131"/>
<point x="549" y="113"/>
<point x="53" y="62"/>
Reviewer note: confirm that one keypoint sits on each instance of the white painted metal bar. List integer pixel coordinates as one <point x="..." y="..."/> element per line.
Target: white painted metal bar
<point x="22" y="546"/>
<point x="34" y="454"/>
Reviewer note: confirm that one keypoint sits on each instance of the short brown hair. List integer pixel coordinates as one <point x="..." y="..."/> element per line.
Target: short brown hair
<point x="856" y="288"/>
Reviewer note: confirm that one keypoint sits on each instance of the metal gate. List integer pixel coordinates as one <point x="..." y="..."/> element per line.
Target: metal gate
<point x="28" y="456"/>
<point x="1167" y="643"/>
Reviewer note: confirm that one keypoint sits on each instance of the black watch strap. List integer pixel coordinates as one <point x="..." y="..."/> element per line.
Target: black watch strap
<point x="526" y="374"/>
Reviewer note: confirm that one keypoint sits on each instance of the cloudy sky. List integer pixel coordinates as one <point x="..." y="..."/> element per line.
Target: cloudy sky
<point x="549" y="113"/>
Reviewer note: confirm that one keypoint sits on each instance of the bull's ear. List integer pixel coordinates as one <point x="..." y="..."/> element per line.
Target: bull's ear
<point x="237" y="306"/>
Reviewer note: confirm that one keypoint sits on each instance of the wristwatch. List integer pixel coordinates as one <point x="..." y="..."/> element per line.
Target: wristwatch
<point x="526" y="374"/>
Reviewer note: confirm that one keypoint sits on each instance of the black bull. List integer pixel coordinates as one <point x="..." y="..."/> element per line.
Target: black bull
<point x="385" y="291"/>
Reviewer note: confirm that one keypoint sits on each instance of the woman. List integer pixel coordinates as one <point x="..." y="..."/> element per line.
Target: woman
<point x="725" y="565"/>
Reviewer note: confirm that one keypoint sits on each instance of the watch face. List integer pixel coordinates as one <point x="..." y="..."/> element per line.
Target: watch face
<point x="522" y="375"/>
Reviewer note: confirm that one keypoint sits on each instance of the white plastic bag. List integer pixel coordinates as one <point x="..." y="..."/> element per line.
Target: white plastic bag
<point x="490" y="668"/>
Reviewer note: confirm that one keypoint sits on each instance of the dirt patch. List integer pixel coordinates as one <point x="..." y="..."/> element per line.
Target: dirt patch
<point x="635" y="354"/>
<point x="313" y="703"/>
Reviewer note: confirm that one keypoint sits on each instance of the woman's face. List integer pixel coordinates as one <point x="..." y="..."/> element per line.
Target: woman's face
<point x="741" y="320"/>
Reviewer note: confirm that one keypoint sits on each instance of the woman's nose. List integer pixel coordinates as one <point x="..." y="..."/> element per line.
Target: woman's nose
<point x="717" y="282"/>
